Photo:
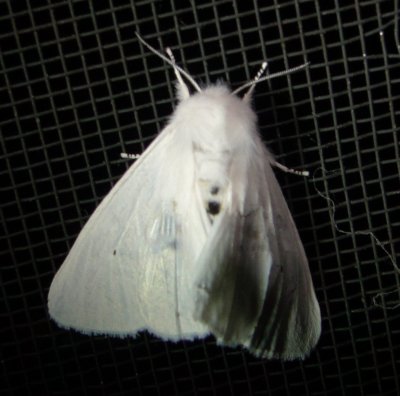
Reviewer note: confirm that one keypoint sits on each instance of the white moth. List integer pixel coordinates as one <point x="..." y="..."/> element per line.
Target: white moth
<point x="195" y="239"/>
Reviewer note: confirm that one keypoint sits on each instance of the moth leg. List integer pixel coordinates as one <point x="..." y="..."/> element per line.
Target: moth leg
<point x="130" y="156"/>
<point x="289" y="170"/>
<point x="247" y="95"/>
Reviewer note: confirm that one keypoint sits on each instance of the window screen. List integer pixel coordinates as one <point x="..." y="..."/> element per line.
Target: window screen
<point x="77" y="89"/>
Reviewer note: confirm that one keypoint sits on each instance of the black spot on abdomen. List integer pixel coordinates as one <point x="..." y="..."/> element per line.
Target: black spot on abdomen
<point x="213" y="207"/>
<point x="214" y="190"/>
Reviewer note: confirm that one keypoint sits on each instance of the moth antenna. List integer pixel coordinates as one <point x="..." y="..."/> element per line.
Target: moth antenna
<point x="183" y="91"/>
<point x="166" y="59"/>
<point x="271" y="76"/>
<point x="260" y="72"/>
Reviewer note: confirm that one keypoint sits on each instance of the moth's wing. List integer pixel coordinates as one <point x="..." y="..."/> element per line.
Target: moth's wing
<point x="290" y="322"/>
<point x="131" y="267"/>
<point x="255" y="287"/>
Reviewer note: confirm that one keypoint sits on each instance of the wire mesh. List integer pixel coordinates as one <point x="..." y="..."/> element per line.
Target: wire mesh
<point x="77" y="89"/>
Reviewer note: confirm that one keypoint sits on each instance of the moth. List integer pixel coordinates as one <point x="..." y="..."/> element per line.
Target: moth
<point x="195" y="239"/>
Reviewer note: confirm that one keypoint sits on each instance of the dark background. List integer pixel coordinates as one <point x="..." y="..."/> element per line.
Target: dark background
<point x="77" y="89"/>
